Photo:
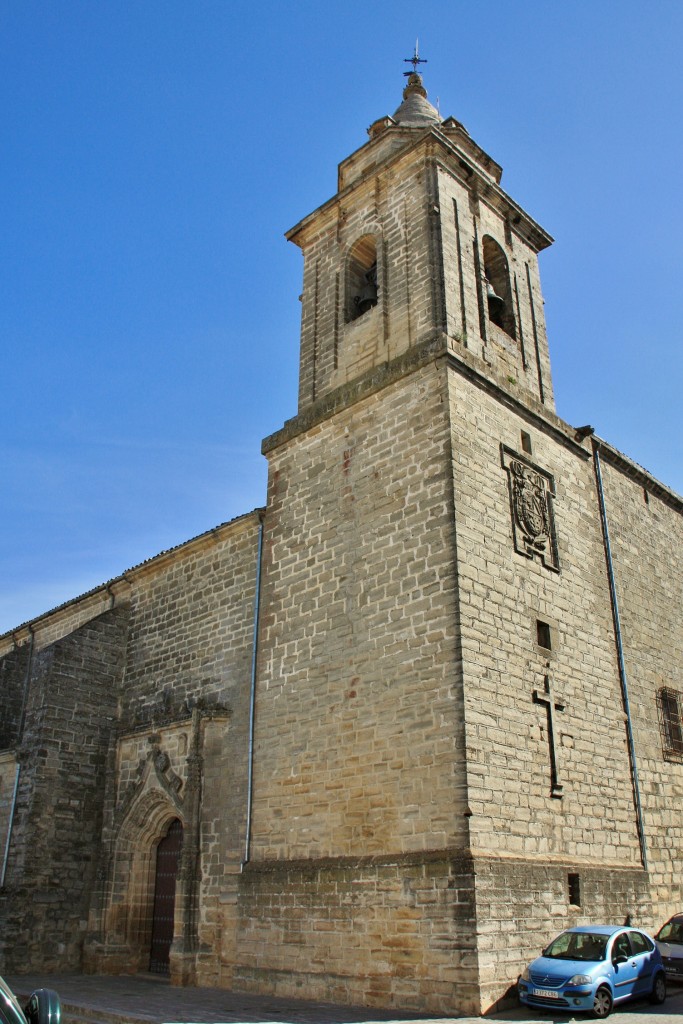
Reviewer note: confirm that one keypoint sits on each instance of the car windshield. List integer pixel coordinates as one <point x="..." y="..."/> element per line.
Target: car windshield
<point x="577" y="946"/>
<point x="672" y="931"/>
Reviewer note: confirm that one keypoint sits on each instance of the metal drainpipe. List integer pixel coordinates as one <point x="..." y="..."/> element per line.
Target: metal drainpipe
<point x="620" y="654"/>
<point x="9" y="826"/>
<point x="252" y="696"/>
<point x="17" y="770"/>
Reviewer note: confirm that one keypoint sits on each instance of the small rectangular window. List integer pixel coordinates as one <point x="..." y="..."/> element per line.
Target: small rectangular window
<point x="671" y="721"/>
<point x="526" y="442"/>
<point x="543" y="635"/>
<point x="574" y="887"/>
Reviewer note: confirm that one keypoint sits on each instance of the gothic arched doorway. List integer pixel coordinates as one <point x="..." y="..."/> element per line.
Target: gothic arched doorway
<point x="167" y="863"/>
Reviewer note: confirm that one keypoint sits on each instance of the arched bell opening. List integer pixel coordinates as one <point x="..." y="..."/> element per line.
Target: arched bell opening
<point x="497" y="284"/>
<point x="361" y="278"/>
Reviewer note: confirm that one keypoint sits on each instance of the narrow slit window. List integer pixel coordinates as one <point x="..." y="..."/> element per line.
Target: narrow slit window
<point x="574" y="887"/>
<point x="526" y="442"/>
<point x="543" y="635"/>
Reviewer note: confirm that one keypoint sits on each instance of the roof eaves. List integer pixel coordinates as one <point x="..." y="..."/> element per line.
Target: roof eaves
<point x="125" y="576"/>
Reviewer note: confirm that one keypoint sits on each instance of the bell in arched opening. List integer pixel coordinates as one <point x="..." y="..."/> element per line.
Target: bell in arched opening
<point x="367" y="296"/>
<point x="495" y="303"/>
<point x="361" y="278"/>
<point x="497" y="285"/>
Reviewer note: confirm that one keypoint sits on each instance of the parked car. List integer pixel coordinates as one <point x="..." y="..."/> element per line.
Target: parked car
<point x="592" y="968"/>
<point x="669" y="941"/>
<point x="43" y="1007"/>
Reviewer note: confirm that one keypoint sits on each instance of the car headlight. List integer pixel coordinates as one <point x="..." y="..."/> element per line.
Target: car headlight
<point x="525" y="974"/>
<point x="579" y="979"/>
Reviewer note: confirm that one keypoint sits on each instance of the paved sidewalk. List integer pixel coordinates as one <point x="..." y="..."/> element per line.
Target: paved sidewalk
<point x="146" y="999"/>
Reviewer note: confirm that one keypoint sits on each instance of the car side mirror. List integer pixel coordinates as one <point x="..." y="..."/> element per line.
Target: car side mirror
<point x="621" y="959"/>
<point x="43" y="1007"/>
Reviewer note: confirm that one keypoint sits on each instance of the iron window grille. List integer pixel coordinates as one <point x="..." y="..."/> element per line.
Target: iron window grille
<point x="671" y="722"/>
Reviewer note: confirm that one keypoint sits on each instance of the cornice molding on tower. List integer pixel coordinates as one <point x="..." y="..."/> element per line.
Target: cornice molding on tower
<point x="429" y="350"/>
<point x="457" y="162"/>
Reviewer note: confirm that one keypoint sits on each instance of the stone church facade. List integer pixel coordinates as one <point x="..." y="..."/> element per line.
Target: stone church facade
<point x="378" y="741"/>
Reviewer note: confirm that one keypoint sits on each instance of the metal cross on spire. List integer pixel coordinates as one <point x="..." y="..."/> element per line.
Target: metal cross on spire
<point x="414" y="60"/>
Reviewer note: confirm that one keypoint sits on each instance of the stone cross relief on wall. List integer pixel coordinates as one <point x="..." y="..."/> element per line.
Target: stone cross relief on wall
<point x="546" y="698"/>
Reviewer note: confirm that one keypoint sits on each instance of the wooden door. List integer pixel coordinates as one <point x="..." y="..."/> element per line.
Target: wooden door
<point x="168" y="861"/>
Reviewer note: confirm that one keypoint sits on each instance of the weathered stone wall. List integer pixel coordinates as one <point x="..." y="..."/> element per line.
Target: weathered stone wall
<point x="522" y="903"/>
<point x="105" y="753"/>
<point x="395" y="210"/>
<point x="190" y="639"/>
<point x="181" y="748"/>
<point x="373" y="931"/>
<point x="61" y="621"/>
<point x="502" y="595"/>
<point x="8" y="779"/>
<point x="70" y="710"/>
<point x="646" y="535"/>
<point x="518" y="828"/>
<point x="358" y="699"/>
<point x="358" y="748"/>
<point x="12" y="687"/>
<point x="522" y="361"/>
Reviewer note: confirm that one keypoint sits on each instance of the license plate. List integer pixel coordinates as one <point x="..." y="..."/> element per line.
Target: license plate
<point x="545" y="993"/>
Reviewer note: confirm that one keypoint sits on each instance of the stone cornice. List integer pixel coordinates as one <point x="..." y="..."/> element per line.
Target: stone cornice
<point x="639" y="475"/>
<point x="467" y="365"/>
<point x="115" y="591"/>
<point x="362" y="387"/>
<point x="458" y="162"/>
<point x="350" y="862"/>
<point x="458" y="856"/>
<point x="428" y="351"/>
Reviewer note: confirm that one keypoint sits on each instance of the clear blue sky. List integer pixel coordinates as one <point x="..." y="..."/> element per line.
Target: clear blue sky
<point x="155" y="151"/>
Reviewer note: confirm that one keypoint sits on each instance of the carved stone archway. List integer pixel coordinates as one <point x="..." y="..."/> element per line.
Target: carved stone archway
<point x="122" y="913"/>
<point x="130" y="911"/>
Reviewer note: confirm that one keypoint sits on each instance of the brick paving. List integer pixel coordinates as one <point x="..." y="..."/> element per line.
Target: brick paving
<point x="141" y="999"/>
<point x="145" y="998"/>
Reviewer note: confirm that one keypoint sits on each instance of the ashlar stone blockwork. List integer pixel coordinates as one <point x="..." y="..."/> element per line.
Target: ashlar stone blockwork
<point x="406" y="717"/>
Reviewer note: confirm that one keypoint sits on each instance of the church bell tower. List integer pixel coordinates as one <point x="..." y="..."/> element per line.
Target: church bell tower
<point x="420" y="242"/>
<point x="429" y="595"/>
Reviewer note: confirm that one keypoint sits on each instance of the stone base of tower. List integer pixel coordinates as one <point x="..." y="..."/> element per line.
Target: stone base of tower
<point x="439" y="933"/>
<point x="521" y="905"/>
<point x="377" y="931"/>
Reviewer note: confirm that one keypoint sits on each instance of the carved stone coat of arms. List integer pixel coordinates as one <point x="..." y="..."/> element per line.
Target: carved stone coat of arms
<point x="531" y="496"/>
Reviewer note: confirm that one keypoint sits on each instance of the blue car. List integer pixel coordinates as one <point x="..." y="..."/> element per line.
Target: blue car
<point x="592" y="968"/>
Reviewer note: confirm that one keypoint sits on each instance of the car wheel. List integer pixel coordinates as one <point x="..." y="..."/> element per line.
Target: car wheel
<point x="658" y="994"/>
<point x="602" y="1002"/>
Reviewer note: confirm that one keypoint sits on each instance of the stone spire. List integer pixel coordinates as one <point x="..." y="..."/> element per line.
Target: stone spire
<point x="416" y="111"/>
